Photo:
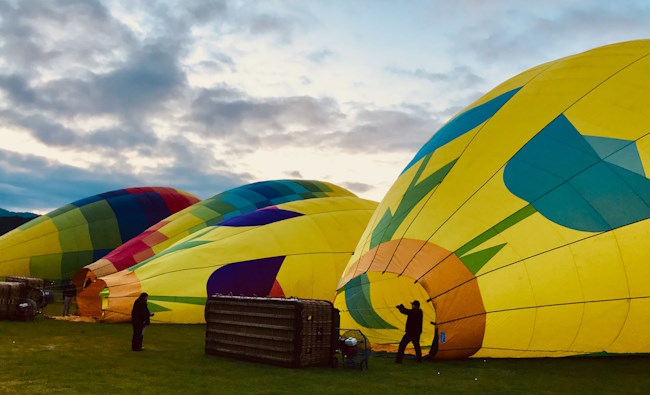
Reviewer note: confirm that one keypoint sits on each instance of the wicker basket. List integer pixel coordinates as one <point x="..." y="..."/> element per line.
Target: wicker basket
<point x="33" y="288"/>
<point x="10" y="295"/>
<point x="285" y="332"/>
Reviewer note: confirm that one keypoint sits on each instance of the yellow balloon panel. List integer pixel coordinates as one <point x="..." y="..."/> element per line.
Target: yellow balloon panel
<point x="633" y="337"/>
<point x="601" y="324"/>
<point x="505" y="340"/>
<point x="632" y="242"/>
<point x="602" y="273"/>
<point x="553" y="278"/>
<point x="556" y="327"/>
<point x="312" y="276"/>
<point x="620" y="106"/>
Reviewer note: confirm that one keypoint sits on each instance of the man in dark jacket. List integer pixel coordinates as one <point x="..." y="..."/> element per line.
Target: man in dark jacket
<point x="413" y="330"/>
<point x="140" y="317"/>
<point x="69" y="292"/>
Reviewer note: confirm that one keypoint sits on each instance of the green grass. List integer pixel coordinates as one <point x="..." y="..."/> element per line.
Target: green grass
<point x="46" y="356"/>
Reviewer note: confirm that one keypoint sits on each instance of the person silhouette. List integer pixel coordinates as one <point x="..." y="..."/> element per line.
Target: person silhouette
<point x="413" y="330"/>
<point x="140" y="318"/>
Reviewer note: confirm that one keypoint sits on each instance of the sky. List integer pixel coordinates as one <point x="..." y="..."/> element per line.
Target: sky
<point x="205" y="96"/>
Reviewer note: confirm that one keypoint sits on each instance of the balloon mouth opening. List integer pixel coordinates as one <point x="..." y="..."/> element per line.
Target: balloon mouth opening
<point x="82" y="278"/>
<point x="90" y="298"/>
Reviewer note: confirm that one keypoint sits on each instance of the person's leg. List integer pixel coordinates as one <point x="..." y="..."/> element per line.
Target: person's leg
<point x="416" y="345"/>
<point x="401" y="348"/>
<point x="136" y="339"/>
<point x="66" y="305"/>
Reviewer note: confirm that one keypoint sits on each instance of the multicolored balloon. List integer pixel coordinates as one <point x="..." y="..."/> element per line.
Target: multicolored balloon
<point x="208" y="212"/>
<point x="524" y="222"/>
<point x="56" y="245"/>
<point x="294" y="249"/>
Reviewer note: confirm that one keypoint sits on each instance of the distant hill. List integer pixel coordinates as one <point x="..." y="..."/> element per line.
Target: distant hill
<point x="10" y="220"/>
<point x="5" y="213"/>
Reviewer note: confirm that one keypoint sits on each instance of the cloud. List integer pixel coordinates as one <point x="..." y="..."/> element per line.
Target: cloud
<point x="387" y="130"/>
<point x="320" y="56"/>
<point x="460" y="77"/>
<point x="281" y="28"/>
<point x="294" y="174"/>
<point x="29" y="181"/>
<point x="32" y="182"/>
<point x="60" y="35"/>
<point x="225" y="111"/>
<point x="507" y="35"/>
<point x="140" y="86"/>
<point x="357" y="187"/>
<point x="205" y="11"/>
<point x="218" y="62"/>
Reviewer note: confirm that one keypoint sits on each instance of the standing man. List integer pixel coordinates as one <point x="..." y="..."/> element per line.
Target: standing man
<point x="140" y="317"/>
<point x="413" y="330"/>
<point x="69" y="292"/>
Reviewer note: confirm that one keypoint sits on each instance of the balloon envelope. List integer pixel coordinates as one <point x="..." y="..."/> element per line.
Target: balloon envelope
<point x="523" y="222"/>
<point x="54" y="246"/>
<point x="295" y="249"/>
<point x="207" y="212"/>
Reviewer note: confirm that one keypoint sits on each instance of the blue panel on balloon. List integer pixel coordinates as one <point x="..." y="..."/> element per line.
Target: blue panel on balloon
<point x="116" y="193"/>
<point x="88" y="200"/>
<point x="260" y="217"/>
<point x="583" y="183"/>
<point x="522" y="171"/>
<point x="285" y="199"/>
<point x="153" y="206"/>
<point x="282" y="187"/>
<point x="130" y="217"/>
<point x="264" y="189"/>
<point x="565" y="206"/>
<point x="251" y="196"/>
<point x="235" y="200"/>
<point x="559" y="150"/>
<point x="639" y="185"/>
<point x="248" y="278"/>
<point x="294" y="186"/>
<point x="462" y="124"/>
<point x="628" y="158"/>
<point x="98" y="254"/>
<point x="611" y="196"/>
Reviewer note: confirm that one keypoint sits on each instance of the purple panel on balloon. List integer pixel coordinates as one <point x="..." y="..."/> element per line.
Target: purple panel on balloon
<point x="248" y="278"/>
<point x="260" y="217"/>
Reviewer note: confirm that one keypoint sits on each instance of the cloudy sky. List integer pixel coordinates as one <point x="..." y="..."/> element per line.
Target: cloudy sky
<point x="208" y="95"/>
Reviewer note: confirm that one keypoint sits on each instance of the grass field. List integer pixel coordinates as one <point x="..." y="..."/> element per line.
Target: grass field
<point x="48" y="356"/>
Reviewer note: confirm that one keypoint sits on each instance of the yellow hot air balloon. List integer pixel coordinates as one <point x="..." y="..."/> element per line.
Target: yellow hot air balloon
<point x="523" y="225"/>
<point x="294" y="249"/>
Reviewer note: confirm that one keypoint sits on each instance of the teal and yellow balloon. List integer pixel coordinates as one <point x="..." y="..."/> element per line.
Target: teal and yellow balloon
<point x="523" y="224"/>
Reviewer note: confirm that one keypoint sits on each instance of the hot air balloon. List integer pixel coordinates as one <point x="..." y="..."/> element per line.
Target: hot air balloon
<point x="208" y="212"/>
<point x="522" y="225"/>
<point x="295" y="249"/>
<point x="54" y="246"/>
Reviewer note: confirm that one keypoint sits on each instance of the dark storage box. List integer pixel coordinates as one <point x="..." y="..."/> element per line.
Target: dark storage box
<point x="285" y="332"/>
